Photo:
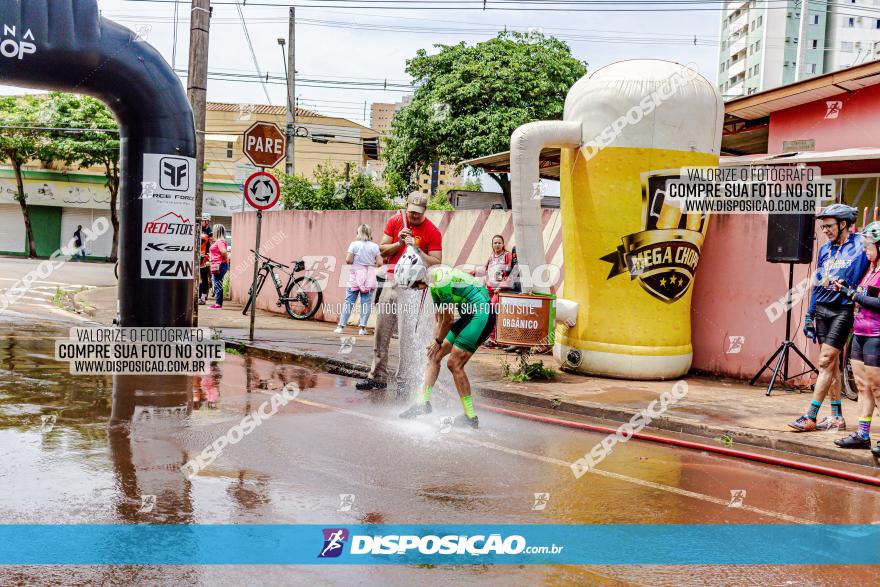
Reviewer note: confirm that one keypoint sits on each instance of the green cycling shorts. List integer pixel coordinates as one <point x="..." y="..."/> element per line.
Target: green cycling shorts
<point x="471" y="330"/>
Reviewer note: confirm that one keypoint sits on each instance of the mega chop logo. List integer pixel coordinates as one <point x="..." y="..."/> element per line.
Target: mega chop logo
<point x="334" y="540"/>
<point x="174" y="174"/>
<point x="14" y="48"/>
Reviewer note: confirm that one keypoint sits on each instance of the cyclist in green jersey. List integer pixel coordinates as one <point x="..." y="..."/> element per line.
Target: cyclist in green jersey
<point x="451" y="290"/>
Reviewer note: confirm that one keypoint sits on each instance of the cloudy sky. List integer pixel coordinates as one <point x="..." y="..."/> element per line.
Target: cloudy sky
<point x="347" y="54"/>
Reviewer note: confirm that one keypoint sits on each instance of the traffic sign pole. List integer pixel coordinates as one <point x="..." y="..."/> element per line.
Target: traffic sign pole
<point x="262" y="191"/>
<point x="264" y="145"/>
<point x="254" y="282"/>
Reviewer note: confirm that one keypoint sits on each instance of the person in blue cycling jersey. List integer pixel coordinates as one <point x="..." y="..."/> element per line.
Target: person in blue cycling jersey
<point x="829" y="319"/>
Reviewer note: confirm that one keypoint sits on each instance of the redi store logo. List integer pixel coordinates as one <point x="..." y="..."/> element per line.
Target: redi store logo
<point x="13" y="47"/>
<point x="175" y="174"/>
<point x="169" y="223"/>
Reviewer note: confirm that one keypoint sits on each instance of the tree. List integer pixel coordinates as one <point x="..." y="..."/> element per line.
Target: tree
<point x="468" y="100"/>
<point x="332" y="191"/>
<point x="89" y="147"/>
<point x="20" y="144"/>
<point x="295" y="190"/>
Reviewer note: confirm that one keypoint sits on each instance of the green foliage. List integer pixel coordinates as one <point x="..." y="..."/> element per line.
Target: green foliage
<point x="395" y="185"/>
<point x="469" y="99"/>
<point x="20" y="145"/>
<point x="88" y="147"/>
<point x="331" y="193"/>
<point x="84" y="149"/>
<point x="440" y="200"/>
<point x="471" y="185"/>
<point x="526" y="371"/>
<point x="295" y="190"/>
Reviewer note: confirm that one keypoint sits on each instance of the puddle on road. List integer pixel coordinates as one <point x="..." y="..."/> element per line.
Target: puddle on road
<point x="73" y="455"/>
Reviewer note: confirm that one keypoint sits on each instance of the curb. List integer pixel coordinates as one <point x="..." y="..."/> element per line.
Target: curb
<point x="330" y="365"/>
<point x="589" y="409"/>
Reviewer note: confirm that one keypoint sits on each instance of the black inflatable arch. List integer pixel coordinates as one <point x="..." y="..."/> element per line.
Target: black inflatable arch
<point x="66" y="45"/>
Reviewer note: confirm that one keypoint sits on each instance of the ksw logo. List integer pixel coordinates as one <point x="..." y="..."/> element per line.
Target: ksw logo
<point x="13" y="48"/>
<point x="175" y="174"/>
<point x="169" y="223"/>
<point x="169" y="268"/>
<point x="166" y="247"/>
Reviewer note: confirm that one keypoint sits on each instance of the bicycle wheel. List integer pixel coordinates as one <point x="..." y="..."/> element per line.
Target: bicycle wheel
<point x="850" y="389"/>
<point x="261" y="279"/>
<point x="303" y="298"/>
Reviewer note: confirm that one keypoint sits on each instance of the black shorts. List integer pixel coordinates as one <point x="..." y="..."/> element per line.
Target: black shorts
<point x="866" y="349"/>
<point x="833" y="324"/>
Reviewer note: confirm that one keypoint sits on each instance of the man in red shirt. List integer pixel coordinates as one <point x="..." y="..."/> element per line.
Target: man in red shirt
<point x="421" y="233"/>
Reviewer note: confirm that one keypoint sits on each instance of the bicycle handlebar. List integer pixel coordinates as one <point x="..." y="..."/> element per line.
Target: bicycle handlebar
<point x="268" y="260"/>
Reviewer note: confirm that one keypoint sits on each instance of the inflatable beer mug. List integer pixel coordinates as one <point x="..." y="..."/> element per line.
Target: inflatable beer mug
<point x="631" y="255"/>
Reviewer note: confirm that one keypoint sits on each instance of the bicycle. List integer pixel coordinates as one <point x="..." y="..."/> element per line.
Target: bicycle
<point x="850" y="389"/>
<point x="301" y="297"/>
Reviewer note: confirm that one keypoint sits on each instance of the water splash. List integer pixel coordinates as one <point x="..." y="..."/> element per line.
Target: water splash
<point x="416" y="329"/>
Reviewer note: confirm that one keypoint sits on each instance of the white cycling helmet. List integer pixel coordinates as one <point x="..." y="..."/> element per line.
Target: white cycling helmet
<point x="409" y="270"/>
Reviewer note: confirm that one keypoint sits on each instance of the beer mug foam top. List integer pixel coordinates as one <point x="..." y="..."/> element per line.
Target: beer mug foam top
<point x="630" y="256"/>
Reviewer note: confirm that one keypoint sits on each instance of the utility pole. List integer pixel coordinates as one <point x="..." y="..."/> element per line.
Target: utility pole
<point x="197" y="93"/>
<point x="800" y="67"/>
<point x="290" y="131"/>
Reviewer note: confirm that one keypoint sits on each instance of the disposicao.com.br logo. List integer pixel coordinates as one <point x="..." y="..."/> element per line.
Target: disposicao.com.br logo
<point x="447" y="544"/>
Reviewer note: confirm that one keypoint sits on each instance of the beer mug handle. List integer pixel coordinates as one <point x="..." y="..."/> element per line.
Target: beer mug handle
<point x="657" y="204"/>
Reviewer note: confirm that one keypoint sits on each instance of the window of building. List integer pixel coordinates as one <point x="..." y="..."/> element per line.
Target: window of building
<point x="760" y="20"/>
<point x="752" y="26"/>
<point x="846" y="46"/>
<point x="229" y="147"/>
<point x="425" y="191"/>
<point x="815" y="19"/>
<point x="757" y="68"/>
<point x="814" y="44"/>
<point x="878" y="23"/>
<point x="812" y="68"/>
<point x="758" y="46"/>
<point x="795" y="40"/>
<point x="851" y="22"/>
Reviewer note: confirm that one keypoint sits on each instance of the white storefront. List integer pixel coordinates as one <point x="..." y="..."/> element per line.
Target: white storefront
<point x="82" y="198"/>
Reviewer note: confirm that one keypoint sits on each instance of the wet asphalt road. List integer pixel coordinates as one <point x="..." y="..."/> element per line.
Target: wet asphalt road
<point x="332" y="441"/>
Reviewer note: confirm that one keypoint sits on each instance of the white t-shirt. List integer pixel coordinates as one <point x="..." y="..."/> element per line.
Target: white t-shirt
<point x="365" y="252"/>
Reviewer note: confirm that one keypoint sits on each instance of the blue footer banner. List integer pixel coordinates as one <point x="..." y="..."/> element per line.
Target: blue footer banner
<point x="241" y="544"/>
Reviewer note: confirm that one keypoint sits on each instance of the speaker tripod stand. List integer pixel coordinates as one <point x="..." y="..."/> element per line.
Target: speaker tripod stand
<point x="784" y="348"/>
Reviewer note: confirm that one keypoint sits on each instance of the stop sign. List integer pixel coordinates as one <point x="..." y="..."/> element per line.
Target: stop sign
<point x="264" y="144"/>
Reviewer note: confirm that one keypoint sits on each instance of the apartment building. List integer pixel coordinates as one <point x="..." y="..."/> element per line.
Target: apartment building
<point x="764" y="45"/>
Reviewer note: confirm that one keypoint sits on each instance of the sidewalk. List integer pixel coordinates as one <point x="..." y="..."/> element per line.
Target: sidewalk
<point x="713" y="408"/>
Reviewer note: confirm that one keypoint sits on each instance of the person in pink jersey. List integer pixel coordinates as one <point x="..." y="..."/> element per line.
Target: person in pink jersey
<point x="865" y="352"/>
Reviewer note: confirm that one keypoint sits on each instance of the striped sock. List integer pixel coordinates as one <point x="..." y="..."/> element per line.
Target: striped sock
<point x="468" y="404"/>
<point x="836" y="409"/>
<point x="814" y="410"/>
<point x="426" y="395"/>
<point x="865" y="428"/>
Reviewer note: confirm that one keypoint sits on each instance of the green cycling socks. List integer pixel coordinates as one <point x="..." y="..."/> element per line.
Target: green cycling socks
<point x="468" y="404"/>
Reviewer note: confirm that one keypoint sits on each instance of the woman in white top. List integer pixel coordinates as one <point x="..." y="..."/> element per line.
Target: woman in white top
<point x="363" y="256"/>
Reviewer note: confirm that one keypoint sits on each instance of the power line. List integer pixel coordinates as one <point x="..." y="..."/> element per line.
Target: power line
<point x="251" y="47"/>
<point x="503" y="5"/>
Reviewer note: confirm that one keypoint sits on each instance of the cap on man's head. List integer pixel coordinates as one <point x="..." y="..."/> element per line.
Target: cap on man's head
<point x="417" y="202"/>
